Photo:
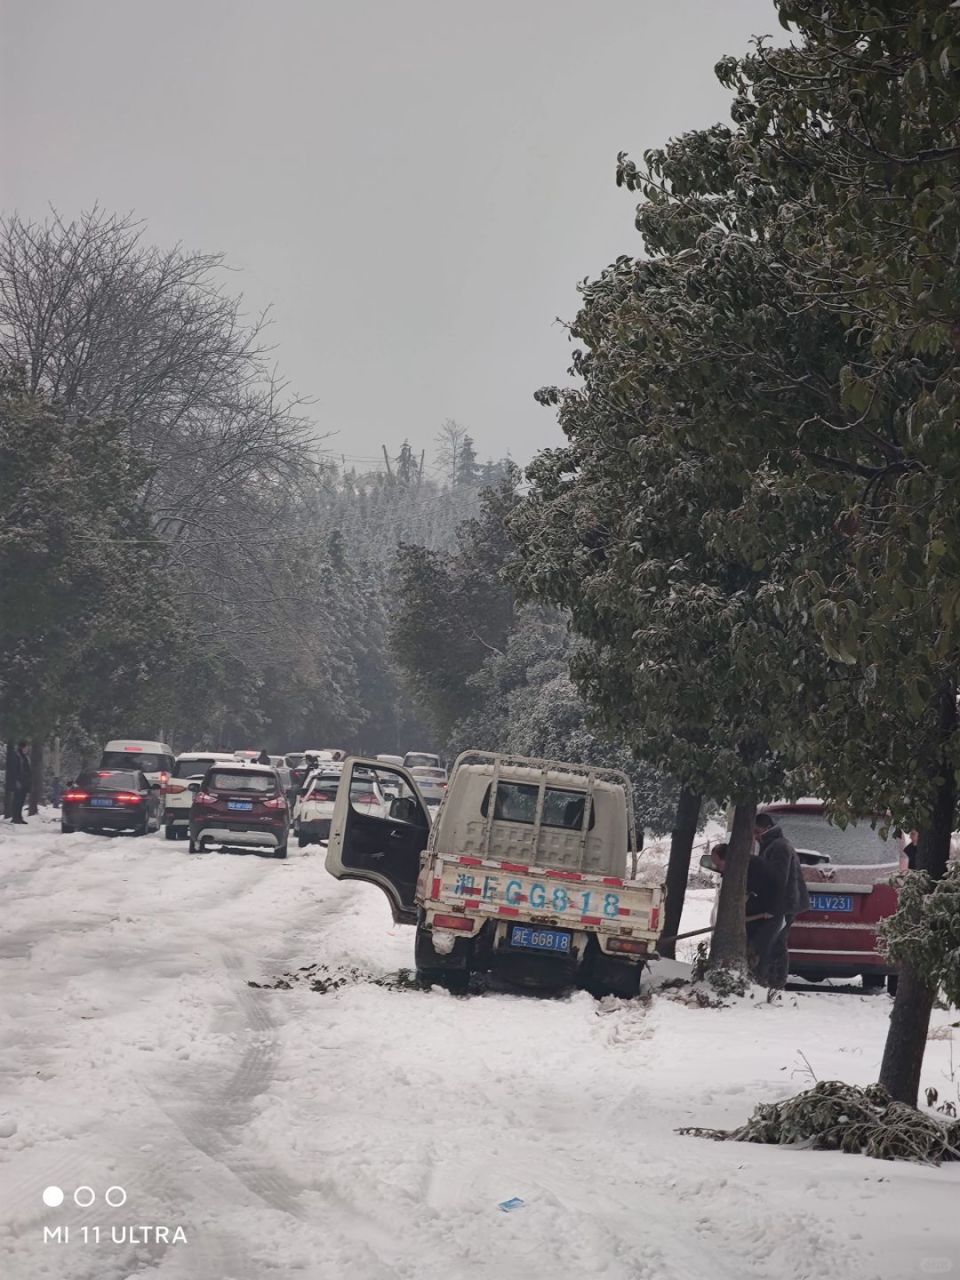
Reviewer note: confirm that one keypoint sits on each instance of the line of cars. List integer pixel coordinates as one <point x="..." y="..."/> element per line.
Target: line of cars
<point x="227" y="798"/>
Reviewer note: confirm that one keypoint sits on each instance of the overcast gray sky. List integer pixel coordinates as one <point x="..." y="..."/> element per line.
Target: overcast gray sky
<point x="415" y="185"/>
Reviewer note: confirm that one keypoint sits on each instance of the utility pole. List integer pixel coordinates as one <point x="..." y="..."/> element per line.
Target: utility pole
<point x="386" y="458"/>
<point x="423" y="454"/>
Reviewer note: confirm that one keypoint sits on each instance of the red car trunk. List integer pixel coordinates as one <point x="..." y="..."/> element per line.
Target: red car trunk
<point x="849" y="895"/>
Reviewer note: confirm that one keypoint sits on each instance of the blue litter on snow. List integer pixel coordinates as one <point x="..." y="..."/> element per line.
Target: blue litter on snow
<point x="514" y="1202"/>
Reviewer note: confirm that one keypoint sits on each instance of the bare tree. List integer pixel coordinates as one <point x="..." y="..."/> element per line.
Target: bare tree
<point x="113" y="327"/>
<point x="449" y="441"/>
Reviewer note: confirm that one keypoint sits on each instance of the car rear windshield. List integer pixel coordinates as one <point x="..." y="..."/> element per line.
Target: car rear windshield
<point x="325" y="789"/>
<point x="193" y="768"/>
<point x="144" y="761"/>
<point x="111" y="780"/>
<point x="517" y="802"/>
<point x="857" y="844"/>
<point x="439" y="774"/>
<point x="255" y="783"/>
<point x="420" y="761"/>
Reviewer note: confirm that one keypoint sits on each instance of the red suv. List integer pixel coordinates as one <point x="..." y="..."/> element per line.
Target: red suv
<point x="240" y="805"/>
<point x="849" y="892"/>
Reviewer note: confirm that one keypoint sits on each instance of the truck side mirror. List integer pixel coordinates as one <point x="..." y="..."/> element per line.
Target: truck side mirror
<point x="405" y="808"/>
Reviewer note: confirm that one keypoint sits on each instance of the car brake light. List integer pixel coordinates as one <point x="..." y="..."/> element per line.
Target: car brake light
<point x="76" y="797"/>
<point x="452" y="922"/>
<point x="637" y="946"/>
<point x="204" y="797"/>
<point x="175" y="789"/>
<point x="275" y="802"/>
<point x="128" y="797"/>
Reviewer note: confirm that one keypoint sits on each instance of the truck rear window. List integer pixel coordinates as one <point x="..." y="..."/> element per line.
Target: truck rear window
<point x="517" y="802"/>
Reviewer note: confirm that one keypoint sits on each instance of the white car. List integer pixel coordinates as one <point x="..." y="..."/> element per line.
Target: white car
<point x="188" y="767"/>
<point x="415" y="760"/>
<point x="155" y="759"/>
<point x="314" y="807"/>
<point x="432" y="783"/>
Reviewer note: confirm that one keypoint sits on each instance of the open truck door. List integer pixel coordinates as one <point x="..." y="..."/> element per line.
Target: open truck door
<point x="379" y="840"/>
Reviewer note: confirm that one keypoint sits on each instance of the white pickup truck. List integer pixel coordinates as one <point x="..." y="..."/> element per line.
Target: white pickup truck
<point x="522" y="871"/>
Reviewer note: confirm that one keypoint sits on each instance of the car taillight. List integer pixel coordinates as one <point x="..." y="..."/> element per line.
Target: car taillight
<point x="164" y="777"/>
<point x="76" y="797"/>
<point x="128" y="797"/>
<point x="275" y="802"/>
<point x="175" y="789"/>
<point x="637" y="946"/>
<point x="452" y="922"/>
<point x="204" y="797"/>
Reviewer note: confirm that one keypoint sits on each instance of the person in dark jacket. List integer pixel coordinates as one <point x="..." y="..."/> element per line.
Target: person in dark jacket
<point x="263" y="758"/>
<point x="791" y="896"/>
<point x="910" y="850"/>
<point x="762" y="891"/>
<point x="20" y="783"/>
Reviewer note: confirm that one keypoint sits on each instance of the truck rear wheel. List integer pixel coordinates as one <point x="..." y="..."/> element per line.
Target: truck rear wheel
<point x="612" y="977"/>
<point x="437" y="970"/>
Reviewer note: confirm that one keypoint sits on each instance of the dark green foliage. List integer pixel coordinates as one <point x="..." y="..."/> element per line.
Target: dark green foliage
<point x="88" y="627"/>
<point x="493" y="676"/>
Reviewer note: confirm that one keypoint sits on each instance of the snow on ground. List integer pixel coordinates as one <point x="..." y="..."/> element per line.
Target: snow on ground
<point x="371" y="1132"/>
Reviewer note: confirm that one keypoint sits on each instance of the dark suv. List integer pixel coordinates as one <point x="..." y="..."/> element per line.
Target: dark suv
<point x="240" y="805"/>
<point x="112" y="800"/>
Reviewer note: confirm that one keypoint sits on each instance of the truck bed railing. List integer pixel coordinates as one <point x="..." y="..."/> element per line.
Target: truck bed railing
<point x="590" y="774"/>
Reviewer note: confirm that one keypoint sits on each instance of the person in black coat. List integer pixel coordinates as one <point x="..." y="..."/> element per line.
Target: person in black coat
<point x="762" y="895"/>
<point x="20" y="782"/>
<point x="791" y="896"/>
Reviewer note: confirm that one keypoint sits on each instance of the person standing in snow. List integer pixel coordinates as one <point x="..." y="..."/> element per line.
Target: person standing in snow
<point x="791" y="898"/>
<point x="20" y="782"/>
<point x="909" y="856"/>
<point x="762" y="892"/>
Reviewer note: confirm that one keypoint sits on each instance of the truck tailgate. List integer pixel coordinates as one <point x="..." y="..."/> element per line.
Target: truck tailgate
<point x="577" y="900"/>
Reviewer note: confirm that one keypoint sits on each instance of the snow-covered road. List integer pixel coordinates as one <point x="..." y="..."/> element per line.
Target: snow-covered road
<point x="370" y="1131"/>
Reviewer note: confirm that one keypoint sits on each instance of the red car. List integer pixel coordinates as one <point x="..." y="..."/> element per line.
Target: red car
<point x="240" y="806"/>
<point x="849" y="891"/>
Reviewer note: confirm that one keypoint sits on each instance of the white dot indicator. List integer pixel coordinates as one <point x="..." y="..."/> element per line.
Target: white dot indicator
<point x="84" y="1197"/>
<point x="115" y="1197"/>
<point x="52" y="1197"/>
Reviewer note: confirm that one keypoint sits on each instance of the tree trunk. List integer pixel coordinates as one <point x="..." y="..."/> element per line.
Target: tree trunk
<point x="729" y="947"/>
<point x="8" y="788"/>
<point x="910" y="1019"/>
<point x="678" y="869"/>
<point x="36" y="776"/>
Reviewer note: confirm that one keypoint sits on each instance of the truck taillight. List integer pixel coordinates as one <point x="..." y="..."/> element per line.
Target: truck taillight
<point x="636" y="946"/>
<point x="452" y="922"/>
